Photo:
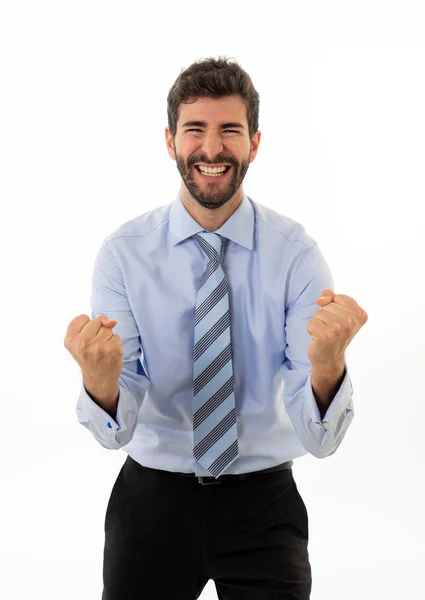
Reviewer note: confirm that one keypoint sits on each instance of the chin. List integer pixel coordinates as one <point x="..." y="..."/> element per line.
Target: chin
<point x="213" y="205"/>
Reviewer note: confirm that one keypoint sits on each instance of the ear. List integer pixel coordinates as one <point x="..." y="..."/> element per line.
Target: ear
<point x="254" y="145"/>
<point x="169" y="142"/>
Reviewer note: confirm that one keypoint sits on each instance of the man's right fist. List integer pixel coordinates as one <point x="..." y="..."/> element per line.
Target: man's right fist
<point x="96" y="349"/>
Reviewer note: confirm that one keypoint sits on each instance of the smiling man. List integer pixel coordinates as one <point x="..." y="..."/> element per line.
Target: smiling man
<point x="212" y="156"/>
<point x="226" y="364"/>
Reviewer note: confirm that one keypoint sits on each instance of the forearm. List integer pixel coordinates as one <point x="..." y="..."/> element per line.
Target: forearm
<point x="106" y="396"/>
<point x="326" y="381"/>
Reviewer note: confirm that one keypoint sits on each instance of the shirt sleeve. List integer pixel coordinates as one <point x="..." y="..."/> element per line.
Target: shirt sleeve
<point x="109" y="298"/>
<point x="320" y="437"/>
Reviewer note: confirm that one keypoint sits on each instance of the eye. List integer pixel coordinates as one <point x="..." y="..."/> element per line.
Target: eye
<point x="231" y="130"/>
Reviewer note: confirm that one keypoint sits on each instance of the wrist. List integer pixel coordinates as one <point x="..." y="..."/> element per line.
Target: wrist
<point x="104" y="393"/>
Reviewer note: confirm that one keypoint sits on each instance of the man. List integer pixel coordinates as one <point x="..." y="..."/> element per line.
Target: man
<point x="220" y="372"/>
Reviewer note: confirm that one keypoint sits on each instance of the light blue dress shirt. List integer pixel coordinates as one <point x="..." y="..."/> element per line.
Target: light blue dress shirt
<point x="145" y="276"/>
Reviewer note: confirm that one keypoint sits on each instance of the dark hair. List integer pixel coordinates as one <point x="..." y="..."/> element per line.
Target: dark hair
<point x="213" y="78"/>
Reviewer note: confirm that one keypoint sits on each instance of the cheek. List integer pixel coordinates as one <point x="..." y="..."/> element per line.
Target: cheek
<point x="188" y="150"/>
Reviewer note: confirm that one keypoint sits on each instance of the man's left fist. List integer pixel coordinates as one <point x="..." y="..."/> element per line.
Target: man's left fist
<point x="333" y="327"/>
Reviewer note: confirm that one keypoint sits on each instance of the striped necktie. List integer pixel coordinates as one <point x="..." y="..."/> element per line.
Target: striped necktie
<point x="215" y="438"/>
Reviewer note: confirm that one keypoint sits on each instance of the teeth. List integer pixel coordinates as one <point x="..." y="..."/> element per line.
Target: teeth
<point x="212" y="170"/>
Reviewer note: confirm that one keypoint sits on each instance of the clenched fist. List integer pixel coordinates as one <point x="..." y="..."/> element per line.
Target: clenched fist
<point x="96" y="349"/>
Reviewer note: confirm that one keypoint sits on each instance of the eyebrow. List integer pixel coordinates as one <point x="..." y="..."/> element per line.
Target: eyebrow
<point x="204" y="124"/>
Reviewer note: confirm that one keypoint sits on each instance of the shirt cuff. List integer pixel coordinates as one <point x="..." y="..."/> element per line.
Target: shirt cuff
<point x="100" y="419"/>
<point x="339" y="404"/>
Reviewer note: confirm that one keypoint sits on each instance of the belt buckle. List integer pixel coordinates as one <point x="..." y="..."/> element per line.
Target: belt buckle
<point x="207" y="482"/>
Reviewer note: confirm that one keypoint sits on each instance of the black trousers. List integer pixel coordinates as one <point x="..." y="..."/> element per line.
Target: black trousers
<point x="166" y="535"/>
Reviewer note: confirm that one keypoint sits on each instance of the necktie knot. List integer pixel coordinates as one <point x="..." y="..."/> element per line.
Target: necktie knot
<point x="211" y="244"/>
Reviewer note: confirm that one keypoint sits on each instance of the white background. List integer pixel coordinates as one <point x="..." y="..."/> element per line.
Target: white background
<point x="82" y="150"/>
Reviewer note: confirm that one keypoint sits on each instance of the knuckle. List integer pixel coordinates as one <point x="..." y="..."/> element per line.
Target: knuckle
<point x="83" y="344"/>
<point x="361" y="314"/>
<point x="118" y="349"/>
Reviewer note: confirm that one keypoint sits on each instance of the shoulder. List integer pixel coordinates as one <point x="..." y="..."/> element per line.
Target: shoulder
<point x="141" y="225"/>
<point x="273" y="223"/>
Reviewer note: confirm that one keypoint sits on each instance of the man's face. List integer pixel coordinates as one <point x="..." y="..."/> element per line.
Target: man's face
<point x="213" y="132"/>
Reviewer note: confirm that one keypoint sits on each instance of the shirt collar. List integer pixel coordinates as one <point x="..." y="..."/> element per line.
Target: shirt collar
<point x="239" y="227"/>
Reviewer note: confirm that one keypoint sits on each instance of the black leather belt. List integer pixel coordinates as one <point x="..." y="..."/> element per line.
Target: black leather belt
<point x="238" y="477"/>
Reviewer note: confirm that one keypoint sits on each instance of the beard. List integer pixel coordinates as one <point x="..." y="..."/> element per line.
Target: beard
<point x="211" y="194"/>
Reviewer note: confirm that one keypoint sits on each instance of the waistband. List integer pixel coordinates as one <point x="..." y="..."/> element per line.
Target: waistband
<point x="286" y="466"/>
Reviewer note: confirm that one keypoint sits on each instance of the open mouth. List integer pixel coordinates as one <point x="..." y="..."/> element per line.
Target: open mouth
<point x="211" y="176"/>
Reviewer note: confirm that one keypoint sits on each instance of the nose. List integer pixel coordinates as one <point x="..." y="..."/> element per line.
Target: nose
<point x="212" y="145"/>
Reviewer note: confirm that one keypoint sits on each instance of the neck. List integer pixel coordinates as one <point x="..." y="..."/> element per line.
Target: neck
<point x="210" y="219"/>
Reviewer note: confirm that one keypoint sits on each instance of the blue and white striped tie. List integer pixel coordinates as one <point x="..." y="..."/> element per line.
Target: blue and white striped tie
<point x="215" y="437"/>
